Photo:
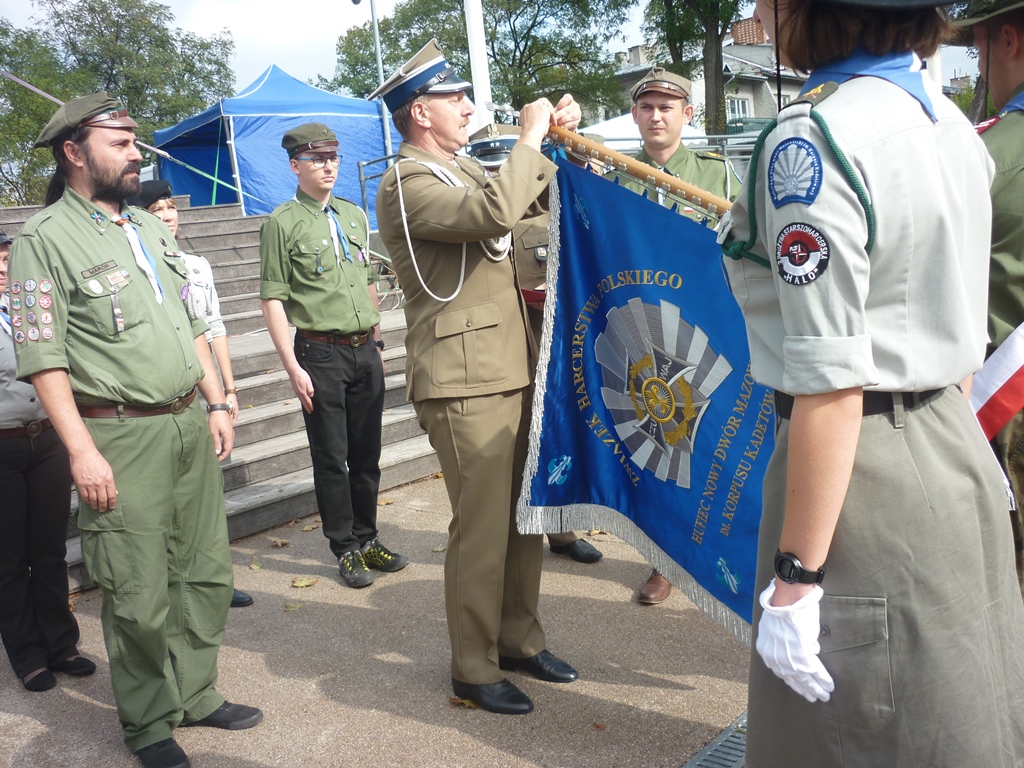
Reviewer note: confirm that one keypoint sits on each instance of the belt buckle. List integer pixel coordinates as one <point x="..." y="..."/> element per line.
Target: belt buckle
<point x="358" y="339"/>
<point x="34" y="429"/>
<point x="178" y="406"/>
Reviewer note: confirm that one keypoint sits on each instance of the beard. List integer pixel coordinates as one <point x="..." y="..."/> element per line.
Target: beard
<point x="114" y="186"/>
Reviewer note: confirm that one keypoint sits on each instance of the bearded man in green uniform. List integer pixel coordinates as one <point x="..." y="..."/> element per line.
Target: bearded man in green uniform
<point x="661" y="107"/>
<point x="446" y="224"/>
<point x="315" y="273"/>
<point x="998" y="34"/>
<point x="105" y="339"/>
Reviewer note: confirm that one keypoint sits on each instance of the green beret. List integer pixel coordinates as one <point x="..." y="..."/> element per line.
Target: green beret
<point x="151" y="191"/>
<point x="307" y="137"/>
<point x="662" y="81"/>
<point x="97" y="109"/>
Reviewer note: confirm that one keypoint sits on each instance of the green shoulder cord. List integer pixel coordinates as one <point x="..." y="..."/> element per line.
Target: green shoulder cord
<point x="737" y="250"/>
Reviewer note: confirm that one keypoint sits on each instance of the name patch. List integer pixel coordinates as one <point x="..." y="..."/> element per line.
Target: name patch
<point x="801" y="253"/>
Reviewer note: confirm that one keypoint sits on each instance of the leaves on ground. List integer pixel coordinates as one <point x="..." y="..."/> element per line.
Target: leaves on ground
<point x="256" y="564"/>
<point x="600" y="726"/>
<point x="384" y="502"/>
<point x="304" y="581"/>
<point x="293" y="523"/>
<point x="317" y="519"/>
<point x="292" y="606"/>
<point x="308" y="528"/>
<point x="596" y="531"/>
<point x="279" y="543"/>
<point x="438" y="475"/>
<point x="438" y="548"/>
<point x="247" y="406"/>
<point x="467" y="703"/>
<point x="71" y="605"/>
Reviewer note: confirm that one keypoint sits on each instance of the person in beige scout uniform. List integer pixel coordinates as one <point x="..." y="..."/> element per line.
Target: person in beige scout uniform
<point x="491" y="146"/>
<point x="116" y="363"/>
<point x="446" y="223"/>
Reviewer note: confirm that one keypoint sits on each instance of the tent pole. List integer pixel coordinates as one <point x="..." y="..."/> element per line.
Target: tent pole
<point x="229" y="125"/>
<point x="216" y="163"/>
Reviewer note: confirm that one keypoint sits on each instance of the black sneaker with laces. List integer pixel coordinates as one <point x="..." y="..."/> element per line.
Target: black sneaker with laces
<point x="353" y="569"/>
<point x="380" y="557"/>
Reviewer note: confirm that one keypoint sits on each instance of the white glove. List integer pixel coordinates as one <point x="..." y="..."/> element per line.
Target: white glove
<point x="787" y="640"/>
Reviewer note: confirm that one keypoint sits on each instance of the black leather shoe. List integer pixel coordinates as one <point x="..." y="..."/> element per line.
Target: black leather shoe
<point x="164" y="754"/>
<point x="240" y="599"/>
<point x="544" y="666"/>
<point x="581" y="551"/>
<point x="76" y="665"/>
<point x="501" y="697"/>
<point x="230" y="717"/>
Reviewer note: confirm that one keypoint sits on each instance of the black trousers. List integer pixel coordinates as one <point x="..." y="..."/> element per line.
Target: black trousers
<point x="36" y="625"/>
<point x="344" y="432"/>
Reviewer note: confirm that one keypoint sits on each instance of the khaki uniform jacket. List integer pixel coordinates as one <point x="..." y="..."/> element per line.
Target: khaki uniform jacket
<point x="1005" y="143"/>
<point x="706" y="170"/>
<point x="478" y="342"/>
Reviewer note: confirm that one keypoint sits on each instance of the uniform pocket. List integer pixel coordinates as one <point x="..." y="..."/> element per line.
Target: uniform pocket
<point x="855" y="650"/>
<point x="468" y="352"/>
<point x="315" y="351"/>
<point x="113" y="301"/>
<point x="108" y="552"/>
<point x="314" y="257"/>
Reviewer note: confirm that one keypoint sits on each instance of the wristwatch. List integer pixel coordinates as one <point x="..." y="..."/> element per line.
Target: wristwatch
<point x="218" y="407"/>
<point x="379" y="344"/>
<point x="790" y="570"/>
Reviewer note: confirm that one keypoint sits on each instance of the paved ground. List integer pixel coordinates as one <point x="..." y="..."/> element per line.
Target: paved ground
<point x="361" y="677"/>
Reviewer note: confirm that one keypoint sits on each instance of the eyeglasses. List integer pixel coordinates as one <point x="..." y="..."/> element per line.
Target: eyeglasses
<point x="320" y="161"/>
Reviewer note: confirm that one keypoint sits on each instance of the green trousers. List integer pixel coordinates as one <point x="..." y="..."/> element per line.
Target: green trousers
<point x="162" y="561"/>
<point x="1009" y="447"/>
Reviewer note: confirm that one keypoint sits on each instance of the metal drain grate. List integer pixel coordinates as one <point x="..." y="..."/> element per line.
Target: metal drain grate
<point x="727" y="750"/>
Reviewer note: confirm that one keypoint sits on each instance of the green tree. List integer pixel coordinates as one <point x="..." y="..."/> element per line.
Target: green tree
<point x="129" y="48"/>
<point x="535" y="49"/>
<point x="684" y="27"/>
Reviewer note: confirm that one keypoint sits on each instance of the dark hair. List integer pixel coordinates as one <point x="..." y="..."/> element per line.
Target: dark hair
<point x="814" y="32"/>
<point x="55" y="189"/>
<point x="402" y="117"/>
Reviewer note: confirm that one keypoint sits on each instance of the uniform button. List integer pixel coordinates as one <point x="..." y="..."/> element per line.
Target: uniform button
<point x="540" y="177"/>
<point x="469" y="323"/>
<point x="190" y="366"/>
<point x="177" y="327"/>
<point x="351" y="285"/>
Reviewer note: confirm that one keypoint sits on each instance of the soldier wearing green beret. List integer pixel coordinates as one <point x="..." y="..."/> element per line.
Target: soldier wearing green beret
<point x="997" y="28"/>
<point x="315" y="273"/>
<point x="446" y="223"/>
<point x="105" y="339"/>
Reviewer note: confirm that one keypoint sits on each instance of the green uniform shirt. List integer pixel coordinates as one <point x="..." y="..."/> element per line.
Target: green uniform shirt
<point x="322" y="291"/>
<point x="74" y="269"/>
<point x="1005" y="143"/>
<point x="707" y="170"/>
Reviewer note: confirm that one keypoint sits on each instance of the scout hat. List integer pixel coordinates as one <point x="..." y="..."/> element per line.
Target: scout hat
<point x="152" y="190"/>
<point x="5" y="239"/>
<point x="662" y="81"/>
<point x="426" y="72"/>
<point x="97" y="109"/>
<point x="307" y="137"/>
<point x="493" y="143"/>
<point x="977" y="11"/>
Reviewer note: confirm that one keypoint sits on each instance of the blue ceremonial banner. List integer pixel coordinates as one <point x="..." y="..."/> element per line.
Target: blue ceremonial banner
<point x="646" y="420"/>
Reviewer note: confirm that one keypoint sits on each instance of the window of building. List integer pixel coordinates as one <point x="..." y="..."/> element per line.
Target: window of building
<point x="737" y="108"/>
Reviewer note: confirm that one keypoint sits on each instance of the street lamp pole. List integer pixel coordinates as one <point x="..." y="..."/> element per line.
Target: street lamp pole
<point x="384" y="120"/>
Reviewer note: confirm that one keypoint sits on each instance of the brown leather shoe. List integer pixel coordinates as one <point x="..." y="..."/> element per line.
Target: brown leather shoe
<point x="656" y="590"/>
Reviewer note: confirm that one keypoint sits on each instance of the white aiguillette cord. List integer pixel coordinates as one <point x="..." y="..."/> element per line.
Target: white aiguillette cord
<point x="142" y="257"/>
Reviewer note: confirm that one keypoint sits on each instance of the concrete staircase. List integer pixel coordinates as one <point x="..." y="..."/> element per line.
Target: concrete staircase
<point x="268" y="478"/>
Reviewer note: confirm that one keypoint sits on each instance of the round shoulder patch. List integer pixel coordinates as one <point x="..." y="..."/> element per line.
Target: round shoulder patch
<point x="802" y="254"/>
<point x="794" y="172"/>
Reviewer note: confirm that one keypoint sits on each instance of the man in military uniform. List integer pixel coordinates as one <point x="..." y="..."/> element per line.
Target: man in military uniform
<point x="491" y="146"/>
<point x="315" y="273"/>
<point x="446" y="224"/>
<point x="105" y="339"/>
<point x="661" y="107"/>
<point x="998" y="34"/>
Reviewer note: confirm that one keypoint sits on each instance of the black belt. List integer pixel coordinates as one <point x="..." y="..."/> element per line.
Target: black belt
<point x="32" y="429"/>
<point x="874" y="402"/>
<point x="347" y="340"/>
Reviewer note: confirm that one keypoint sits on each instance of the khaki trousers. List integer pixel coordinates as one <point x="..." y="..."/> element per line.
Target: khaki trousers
<point x="491" y="571"/>
<point x="1009" y="447"/>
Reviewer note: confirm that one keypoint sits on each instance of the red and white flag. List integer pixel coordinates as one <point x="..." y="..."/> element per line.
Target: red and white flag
<point x="998" y="389"/>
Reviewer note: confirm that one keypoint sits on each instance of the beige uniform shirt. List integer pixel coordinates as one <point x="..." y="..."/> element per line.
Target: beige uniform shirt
<point x="827" y="314"/>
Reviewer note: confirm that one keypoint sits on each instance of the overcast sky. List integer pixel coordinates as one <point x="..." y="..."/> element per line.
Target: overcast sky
<point x="299" y="36"/>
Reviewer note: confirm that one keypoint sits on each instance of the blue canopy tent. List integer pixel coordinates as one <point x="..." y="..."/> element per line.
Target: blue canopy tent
<point x="238" y="140"/>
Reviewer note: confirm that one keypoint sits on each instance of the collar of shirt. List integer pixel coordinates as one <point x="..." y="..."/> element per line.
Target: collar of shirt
<point x="1016" y="102"/>
<point x="87" y="209"/>
<point x="5" y="319"/>
<point x="316" y="208"/>
<point x="901" y="69"/>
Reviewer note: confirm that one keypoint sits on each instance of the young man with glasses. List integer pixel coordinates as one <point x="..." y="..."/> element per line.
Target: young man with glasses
<point x="315" y="273"/>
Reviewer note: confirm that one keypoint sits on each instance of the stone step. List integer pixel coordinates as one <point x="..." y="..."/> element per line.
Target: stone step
<point x="269" y="503"/>
<point x="214" y="243"/>
<point x="268" y="387"/>
<point x="208" y="227"/>
<point x="244" y="322"/>
<point x="235" y="267"/>
<point x="239" y="302"/>
<point x="233" y="286"/>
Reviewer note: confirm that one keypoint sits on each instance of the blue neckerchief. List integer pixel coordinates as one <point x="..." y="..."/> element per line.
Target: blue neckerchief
<point x="145" y="252"/>
<point x="894" y="67"/>
<point x="1016" y="104"/>
<point x="341" y="234"/>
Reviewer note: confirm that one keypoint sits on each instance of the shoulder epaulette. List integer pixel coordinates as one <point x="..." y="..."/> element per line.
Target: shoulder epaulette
<point x="711" y="155"/>
<point x="816" y="95"/>
<point x="982" y="127"/>
<point x="30" y="226"/>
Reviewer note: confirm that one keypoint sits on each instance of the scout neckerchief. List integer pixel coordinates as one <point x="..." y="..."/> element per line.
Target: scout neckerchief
<point x="1016" y="104"/>
<point x="337" y="234"/>
<point x="142" y="257"/>
<point x="897" y="68"/>
<point x="5" y="319"/>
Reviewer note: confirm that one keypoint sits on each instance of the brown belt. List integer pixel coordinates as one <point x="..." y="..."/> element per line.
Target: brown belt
<point x="351" y="340"/>
<point x="875" y="402"/>
<point x="32" y="429"/>
<point x="176" y="406"/>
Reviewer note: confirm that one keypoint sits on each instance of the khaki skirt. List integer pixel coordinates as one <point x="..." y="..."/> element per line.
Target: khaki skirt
<point x="922" y="623"/>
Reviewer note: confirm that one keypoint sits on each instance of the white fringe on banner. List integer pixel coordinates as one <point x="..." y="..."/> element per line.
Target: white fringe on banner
<point x="531" y="519"/>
